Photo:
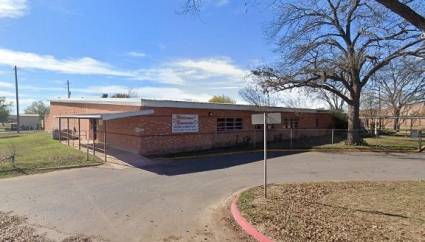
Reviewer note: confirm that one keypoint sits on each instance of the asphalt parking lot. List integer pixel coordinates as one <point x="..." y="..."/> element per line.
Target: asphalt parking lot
<point x="173" y="200"/>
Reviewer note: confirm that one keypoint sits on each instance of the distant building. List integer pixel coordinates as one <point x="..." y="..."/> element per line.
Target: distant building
<point x="411" y="117"/>
<point x="27" y="121"/>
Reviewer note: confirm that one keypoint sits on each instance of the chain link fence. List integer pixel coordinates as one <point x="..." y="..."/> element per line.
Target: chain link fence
<point x="320" y="139"/>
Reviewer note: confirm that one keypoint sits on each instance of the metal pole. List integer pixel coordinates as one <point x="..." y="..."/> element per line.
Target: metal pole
<point x="60" y="130"/>
<point x="79" y="134"/>
<point x="420" y="140"/>
<point x="254" y="140"/>
<point x="265" y="156"/>
<point x="291" y="137"/>
<point x="104" y="139"/>
<point x="94" y="139"/>
<point x="376" y="134"/>
<point x="333" y="134"/>
<point x="18" y="122"/>
<point x="87" y="149"/>
<point x="67" y="134"/>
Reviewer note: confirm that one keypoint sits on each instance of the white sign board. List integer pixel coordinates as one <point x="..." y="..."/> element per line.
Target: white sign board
<point x="271" y="118"/>
<point x="185" y="123"/>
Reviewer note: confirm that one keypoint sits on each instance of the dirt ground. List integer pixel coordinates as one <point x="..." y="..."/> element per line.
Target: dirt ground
<point x="345" y="211"/>
<point x="16" y="229"/>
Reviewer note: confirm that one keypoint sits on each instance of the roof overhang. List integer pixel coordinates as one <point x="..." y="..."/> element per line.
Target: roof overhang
<point x="107" y="116"/>
<point x="152" y="103"/>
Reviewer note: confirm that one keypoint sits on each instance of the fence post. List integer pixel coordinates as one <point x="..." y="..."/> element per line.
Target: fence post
<point x="333" y="133"/>
<point x="87" y="150"/>
<point x="254" y="139"/>
<point x="420" y="140"/>
<point x="377" y="137"/>
<point x="290" y="134"/>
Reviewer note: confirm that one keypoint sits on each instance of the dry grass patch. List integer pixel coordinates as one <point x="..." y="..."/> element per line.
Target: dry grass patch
<point x="354" y="211"/>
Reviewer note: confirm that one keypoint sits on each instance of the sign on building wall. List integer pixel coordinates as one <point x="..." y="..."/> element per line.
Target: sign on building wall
<point x="272" y="118"/>
<point x="185" y="123"/>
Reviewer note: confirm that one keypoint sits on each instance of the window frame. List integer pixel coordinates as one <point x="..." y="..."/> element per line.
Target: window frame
<point x="226" y="124"/>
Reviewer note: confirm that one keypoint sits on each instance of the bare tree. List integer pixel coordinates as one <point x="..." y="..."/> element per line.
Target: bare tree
<point x="369" y="108"/>
<point x="403" y="10"/>
<point x="402" y="84"/>
<point x="191" y="6"/>
<point x="255" y="95"/>
<point x="327" y="44"/>
<point x="221" y="99"/>
<point x="334" y="102"/>
<point x="130" y="94"/>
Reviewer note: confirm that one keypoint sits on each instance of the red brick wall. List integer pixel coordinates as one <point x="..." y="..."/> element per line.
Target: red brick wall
<point x="152" y="134"/>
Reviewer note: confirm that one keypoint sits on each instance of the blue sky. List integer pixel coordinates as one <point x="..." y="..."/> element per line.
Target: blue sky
<point x="109" y="46"/>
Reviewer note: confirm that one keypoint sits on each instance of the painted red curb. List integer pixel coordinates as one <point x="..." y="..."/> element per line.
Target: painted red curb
<point x="245" y="225"/>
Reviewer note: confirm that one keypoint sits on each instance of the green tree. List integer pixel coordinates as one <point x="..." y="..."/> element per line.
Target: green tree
<point x="221" y="99"/>
<point x="4" y="110"/>
<point x="120" y="95"/>
<point x="130" y="94"/>
<point x="38" y="108"/>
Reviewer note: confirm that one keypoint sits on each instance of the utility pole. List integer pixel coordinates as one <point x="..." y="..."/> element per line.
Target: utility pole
<point x="379" y="107"/>
<point x="18" y="123"/>
<point x="265" y="153"/>
<point x="67" y="88"/>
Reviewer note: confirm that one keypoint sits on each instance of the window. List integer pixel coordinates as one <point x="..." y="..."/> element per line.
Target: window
<point x="290" y="123"/>
<point x="317" y="123"/>
<point x="229" y="124"/>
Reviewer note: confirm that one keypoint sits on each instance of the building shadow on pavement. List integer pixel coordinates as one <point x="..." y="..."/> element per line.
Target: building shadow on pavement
<point x="180" y="166"/>
<point x="212" y="162"/>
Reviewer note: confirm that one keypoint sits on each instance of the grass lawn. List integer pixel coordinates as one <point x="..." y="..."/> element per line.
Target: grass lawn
<point x="37" y="151"/>
<point x="399" y="143"/>
<point x="384" y="143"/>
<point x="344" y="211"/>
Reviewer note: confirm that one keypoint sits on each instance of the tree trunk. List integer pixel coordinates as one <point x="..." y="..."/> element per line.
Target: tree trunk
<point x="405" y="12"/>
<point x="353" y="136"/>
<point x="397" y="120"/>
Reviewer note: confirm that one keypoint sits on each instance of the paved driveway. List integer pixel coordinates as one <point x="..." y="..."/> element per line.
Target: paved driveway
<point x="172" y="201"/>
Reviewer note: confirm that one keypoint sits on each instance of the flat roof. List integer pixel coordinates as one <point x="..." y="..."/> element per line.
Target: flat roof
<point x="106" y="116"/>
<point x="183" y="104"/>
<point x="24" y="115"/>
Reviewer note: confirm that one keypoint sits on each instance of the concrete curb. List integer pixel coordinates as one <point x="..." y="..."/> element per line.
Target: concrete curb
<point x="245" y="225"/>
<point x="55" y="168"/>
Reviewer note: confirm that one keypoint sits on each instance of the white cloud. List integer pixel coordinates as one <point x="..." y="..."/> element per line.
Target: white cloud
<point x="175" y="72"/>
<point x="196" y="72"/>
<point x="6" y="93"/>
<point x="136" y="54"/>
<point x="6" y="85"/>
<point x="85" y="65"/>
<point x="13" y="8"/>
<point x="183" y="78"/>
<point x="146" y="92"/>
<point x="213" y="67"/>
